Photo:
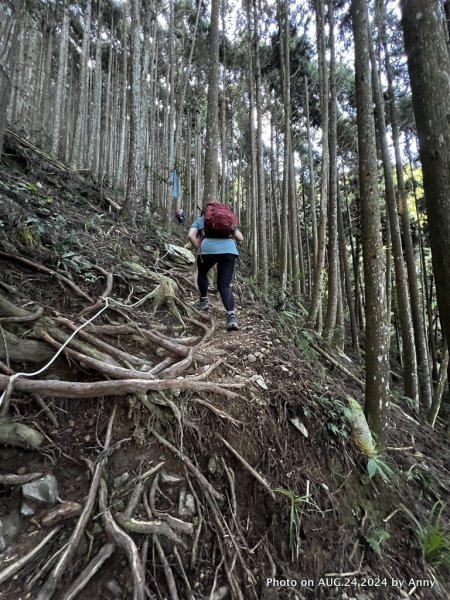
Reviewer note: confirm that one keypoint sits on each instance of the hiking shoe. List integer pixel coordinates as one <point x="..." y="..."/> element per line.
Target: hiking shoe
<point x="202" y="304"/>
<point x="232" y="324"/>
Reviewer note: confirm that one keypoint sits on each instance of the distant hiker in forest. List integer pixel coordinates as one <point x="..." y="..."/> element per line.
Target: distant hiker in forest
<point x="215" y="234"/>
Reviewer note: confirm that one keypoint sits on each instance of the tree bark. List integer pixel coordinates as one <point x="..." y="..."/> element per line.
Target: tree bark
<point x="9" y="27"/>
<point x="429" y="68"/>
<point x="410" y="377"/>
<point x="377" y="331"/>
<point x="212" y="125"/>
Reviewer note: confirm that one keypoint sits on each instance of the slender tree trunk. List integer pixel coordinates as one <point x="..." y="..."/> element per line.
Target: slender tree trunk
<point x="284" y="256"/>
<point x="61" y="82"/>
<point x="263" y="271"/>
<point x="377" y="331"/>
<point x="416" y="303"/>
<point x="316" y="298"/>
<point x="9" y="24"/>
<point x="312" y="194"/>
<point x="429" y="68"/>
<point x="410" y="378"/>
<point x="77" y="157"/>
<point x="440" y="386"/>
<point x="129" y="210"/>
<point x="212" y="124"/>
<point x="333" y="250"/>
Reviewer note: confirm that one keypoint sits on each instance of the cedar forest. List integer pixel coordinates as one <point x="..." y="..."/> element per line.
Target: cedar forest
<point x="325" y="126"/>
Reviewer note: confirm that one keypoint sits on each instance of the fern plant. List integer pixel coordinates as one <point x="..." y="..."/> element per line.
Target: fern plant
<point x="433" y="537"/>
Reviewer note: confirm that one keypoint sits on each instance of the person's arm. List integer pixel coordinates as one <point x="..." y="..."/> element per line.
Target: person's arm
<point x="192" y="235"/>
<point x="238" y="235"/>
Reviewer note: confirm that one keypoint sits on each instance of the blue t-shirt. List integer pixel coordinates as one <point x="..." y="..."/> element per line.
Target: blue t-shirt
<point x="215" y="245"/>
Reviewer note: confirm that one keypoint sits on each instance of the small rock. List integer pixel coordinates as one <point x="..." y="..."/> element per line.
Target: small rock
<point x="71" y="423"/>
<point x="212" y="465"/>
<point x="179" y="255"/>
<point x="9" y="529"/>
<point x="27" y="510"/>
<point x="135" y="268"/>
<point x="148" y="249"/>
<point x="113" y="587"/>
<point x="21" y="471"/>
<point x="121" y="480"/>
<point x="251" y="358"/>
<point x="186" y="505"/>
<point x="44" y="490"/>
<point x="259" y="381"/>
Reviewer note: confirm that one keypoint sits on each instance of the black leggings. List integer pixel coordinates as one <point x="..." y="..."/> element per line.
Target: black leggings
<point x="225" y="270"/>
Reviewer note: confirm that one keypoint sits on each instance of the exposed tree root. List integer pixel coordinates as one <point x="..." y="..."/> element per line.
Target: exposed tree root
<point x="157" y="527"/>
<point x="75" y="389"/>
<point x="18" y="479"/>
<point x="204" y="483"/>
<point x="249" y="468"/>
<point x="105" y="552"/>
<point x="48" y="589"/>
<point x="20" y="563"/>
<point x="167" y="570"/>
<point x="124" y="541"/>
<point x="186" y="364"/>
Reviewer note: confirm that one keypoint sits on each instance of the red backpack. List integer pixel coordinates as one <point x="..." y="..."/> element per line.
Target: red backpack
<point x="220" y="221"/>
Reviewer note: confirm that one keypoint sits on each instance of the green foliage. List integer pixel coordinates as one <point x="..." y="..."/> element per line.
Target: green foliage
<point x="70" y="261"/>
<point x="27" y="187"/>
<point x="424" y="479"/>
<point x="378" y="466"/>
<point x="337" y="417"/>
<point x="294" y="516"/>
<point x="375" y="537"/>
<point x="433" y="537"/>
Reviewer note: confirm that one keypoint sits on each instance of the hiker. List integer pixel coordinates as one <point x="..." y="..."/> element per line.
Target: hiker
<point x="215" y="234"/>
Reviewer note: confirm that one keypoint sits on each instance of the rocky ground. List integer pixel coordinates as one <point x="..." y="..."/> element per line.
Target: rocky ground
<point x="160" y="456"/>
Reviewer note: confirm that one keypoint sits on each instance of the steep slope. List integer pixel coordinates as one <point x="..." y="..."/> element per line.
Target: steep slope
<point x="191" y="462"/>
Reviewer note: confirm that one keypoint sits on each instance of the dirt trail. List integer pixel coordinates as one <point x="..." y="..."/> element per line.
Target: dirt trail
<point x="229" y="462"/>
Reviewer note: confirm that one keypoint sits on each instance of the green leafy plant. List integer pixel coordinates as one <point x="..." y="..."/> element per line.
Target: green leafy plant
<point x="337" y="416"/>
<point x="294" y="516"/>
<point x="378" y="466"/>
<point x="28" y="187"/>
<point x="433" y="537"/>
<point x="375" y="537"/>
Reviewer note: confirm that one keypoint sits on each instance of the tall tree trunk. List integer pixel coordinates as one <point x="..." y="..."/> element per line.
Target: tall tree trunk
<point x="77" y="157"/>
<point x="410" y="379"/>
<point x="429" y="68"/>
<point x="9" y="25"/>
<point x="131" y="204"/>
<point x="312" y="194"/>
<point x="416" y="301"/>
<point x="263" y="271"/>
<point x="283" y="252"/>
<point x="377" y="331"/>
<point x="316" y="298"/>
<point x="333" y="250"/>
<point x="61" y="82"/>
<point x="212" y="123"/>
